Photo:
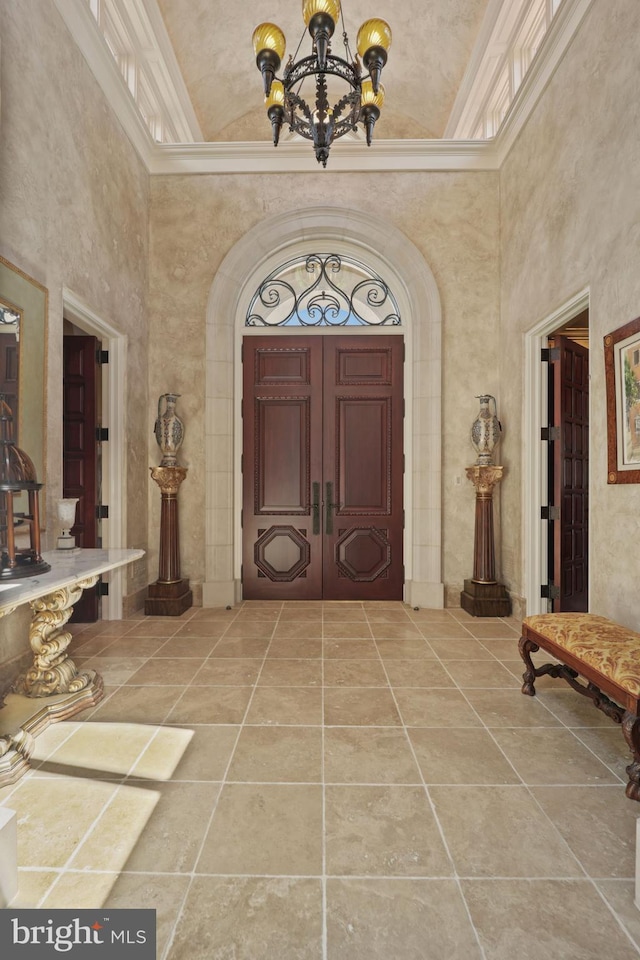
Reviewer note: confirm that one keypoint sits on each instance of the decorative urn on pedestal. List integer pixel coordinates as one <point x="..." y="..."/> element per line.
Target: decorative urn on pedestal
<point x="170" y="595"/>
<point x="483" y="596"/>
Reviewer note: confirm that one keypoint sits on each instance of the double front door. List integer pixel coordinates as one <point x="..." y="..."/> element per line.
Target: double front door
<point x="322" y="467"/>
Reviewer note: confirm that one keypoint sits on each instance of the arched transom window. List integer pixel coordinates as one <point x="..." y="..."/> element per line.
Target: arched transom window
<point x="323" y="290"/>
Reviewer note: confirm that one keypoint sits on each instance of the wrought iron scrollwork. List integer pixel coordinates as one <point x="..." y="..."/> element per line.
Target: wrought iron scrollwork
<point x="342" y="292"/>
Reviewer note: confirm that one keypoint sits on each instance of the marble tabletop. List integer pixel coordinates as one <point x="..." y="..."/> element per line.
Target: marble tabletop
<point x="66" y="569"/>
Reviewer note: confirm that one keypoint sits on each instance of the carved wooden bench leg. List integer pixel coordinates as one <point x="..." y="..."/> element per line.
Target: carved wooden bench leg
<point x="526" y="648"/>
<point x="631" y="730"/>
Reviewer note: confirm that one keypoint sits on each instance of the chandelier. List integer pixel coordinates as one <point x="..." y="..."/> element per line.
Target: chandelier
<point x="364" y="96"/>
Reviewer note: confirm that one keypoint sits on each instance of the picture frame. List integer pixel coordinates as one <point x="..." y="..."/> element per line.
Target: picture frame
<point x="622" y="372"/>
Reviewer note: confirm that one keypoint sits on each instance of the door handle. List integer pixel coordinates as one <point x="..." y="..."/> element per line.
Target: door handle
<point x="315" y="508"/>
<point x="331" y="506"/>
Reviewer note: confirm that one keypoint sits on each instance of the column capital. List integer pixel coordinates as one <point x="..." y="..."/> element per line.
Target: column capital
<point x="168" y="478"/>
<point x="485" y="478"/>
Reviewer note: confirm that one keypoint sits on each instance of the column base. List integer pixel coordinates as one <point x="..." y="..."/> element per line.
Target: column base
<point x="168" y="599"/>
<point x="485" y="599"/>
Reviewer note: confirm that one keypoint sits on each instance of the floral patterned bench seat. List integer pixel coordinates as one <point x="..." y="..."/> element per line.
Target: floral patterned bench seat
<point x="602" y="652"/>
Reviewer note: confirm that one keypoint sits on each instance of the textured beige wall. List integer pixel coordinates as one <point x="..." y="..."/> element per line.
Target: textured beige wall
<point x="570" y="218"/>
<point x="451" y="218"/>
<point x="73" y="213"/>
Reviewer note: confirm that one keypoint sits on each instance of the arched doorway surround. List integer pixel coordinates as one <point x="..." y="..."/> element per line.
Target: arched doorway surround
<point x="394" y="257"/>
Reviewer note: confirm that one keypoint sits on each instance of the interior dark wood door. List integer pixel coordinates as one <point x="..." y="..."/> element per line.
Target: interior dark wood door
<point x="569" y="534"/>
<point x="322" y="468"/>
<point x="80" y="452"/>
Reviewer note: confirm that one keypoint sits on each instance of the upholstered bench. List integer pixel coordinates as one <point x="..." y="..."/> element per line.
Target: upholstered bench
<point x="605" y="655"/>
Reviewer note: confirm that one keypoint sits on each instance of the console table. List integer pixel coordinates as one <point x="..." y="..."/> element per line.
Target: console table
<point x="51" y="689"/>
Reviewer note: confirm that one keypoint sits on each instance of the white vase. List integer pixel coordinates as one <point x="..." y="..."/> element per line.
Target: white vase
<point x="486" y="430"/>
<point x="66" y="512"/>
<point x="169" y="430"/>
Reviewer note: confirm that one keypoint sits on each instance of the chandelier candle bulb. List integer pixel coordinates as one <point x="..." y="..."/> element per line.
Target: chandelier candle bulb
<point x="269" y="45"/>
<point x="373" y="42"/>
<point x="317" y="119"/>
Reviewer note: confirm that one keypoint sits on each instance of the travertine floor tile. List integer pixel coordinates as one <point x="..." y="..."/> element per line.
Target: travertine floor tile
<point x="382" y="830"/>
<point x="417" y="673"/>
<point x="598" y="823"/>
<point x="400" y="919"/>
<point x="480" y="673"/>
<point x="228" y="671"/>
<point x="146" y="892"/>
<point x="167" y="671"/>
<point x="171" y="839"/>
<point x="250" y="919"/>
<point x="434" y="707"/>
<point x="528" y="919"/>
<point x="354" y="673"/>
<point x="273" y="829"/>
<point x="284" y="753"/>
<point x="549" y="755"/>
<point x="207" y="753"/>
<point x="137" y="704"/>
<point x="500" y="832"/>
<point x="510" y="708"/>
<point x="297" y="705"/>
<point x="291" y="673"/>
<point x="368" y="755"/>
<point x="211" y="705"/>
<point x="359" y="706"/>
<point x="459" y="755"/>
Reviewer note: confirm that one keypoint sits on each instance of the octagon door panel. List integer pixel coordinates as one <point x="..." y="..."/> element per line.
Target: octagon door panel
<point x="322" y="468"/>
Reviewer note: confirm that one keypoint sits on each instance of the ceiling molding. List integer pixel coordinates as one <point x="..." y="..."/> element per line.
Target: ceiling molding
<point x="298" y="157"/>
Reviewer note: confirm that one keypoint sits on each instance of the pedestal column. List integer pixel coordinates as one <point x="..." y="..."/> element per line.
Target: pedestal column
<point x="170" y="595"/>
<point x="483" y="596"/>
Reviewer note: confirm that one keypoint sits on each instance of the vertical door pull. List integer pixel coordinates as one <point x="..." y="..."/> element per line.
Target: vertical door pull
<point x="331" y="506"/>
<point x="315" y="508"/>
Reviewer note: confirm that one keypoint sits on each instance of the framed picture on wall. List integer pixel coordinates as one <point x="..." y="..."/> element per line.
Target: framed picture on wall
<point x="622" y="369"/>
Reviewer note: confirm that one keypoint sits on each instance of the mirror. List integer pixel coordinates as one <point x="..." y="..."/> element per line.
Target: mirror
<point x="23" y="339"/>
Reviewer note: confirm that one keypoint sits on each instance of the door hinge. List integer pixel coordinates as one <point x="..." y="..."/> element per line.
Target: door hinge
<point x="549" y="354"/>
<point x="102" y="511"/>
<point x="403" y="519"/>
<point x="102" y="434"/>
<point x="242" y="463"/>
<point x="102" y="357"/>
<point x="241" y="519"/>
<point x="550" y="433"/>
<point x="549" y="513"/>
<point x="241" y="572"/>
<point x="102" y="588"/>
<point x="242" y="409"/>
<point x="549" y="591"/>
<point x="404" y="463"/>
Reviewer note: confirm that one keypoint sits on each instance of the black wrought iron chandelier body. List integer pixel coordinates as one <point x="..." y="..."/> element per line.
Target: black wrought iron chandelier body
<point x="323" y="122"/>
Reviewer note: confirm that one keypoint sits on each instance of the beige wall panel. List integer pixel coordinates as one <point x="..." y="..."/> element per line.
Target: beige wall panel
<point x="570" y="210"/>
<point x="74" y="214"/>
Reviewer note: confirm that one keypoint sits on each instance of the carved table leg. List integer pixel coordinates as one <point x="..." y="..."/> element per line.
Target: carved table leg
<point x="52" y="684"/>
<point x="631" y="730"/>
<point x="52" y="671"/>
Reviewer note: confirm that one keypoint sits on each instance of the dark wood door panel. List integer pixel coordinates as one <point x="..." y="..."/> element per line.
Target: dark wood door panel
<point x="282" y="461"/>
<point x="570" y="473"/>
<point x="322" y="467"/>
<point x="80" y="451"/>
<point x="282" y="418"/>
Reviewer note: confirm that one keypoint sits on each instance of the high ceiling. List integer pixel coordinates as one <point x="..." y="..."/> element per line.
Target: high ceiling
<point x="432" y="43"/>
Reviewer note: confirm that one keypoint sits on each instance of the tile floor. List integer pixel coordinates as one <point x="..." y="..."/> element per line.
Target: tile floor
<point x="333" y="781"/>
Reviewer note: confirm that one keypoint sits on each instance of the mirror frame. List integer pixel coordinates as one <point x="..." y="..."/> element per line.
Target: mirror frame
<point x="32" y="299"/>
